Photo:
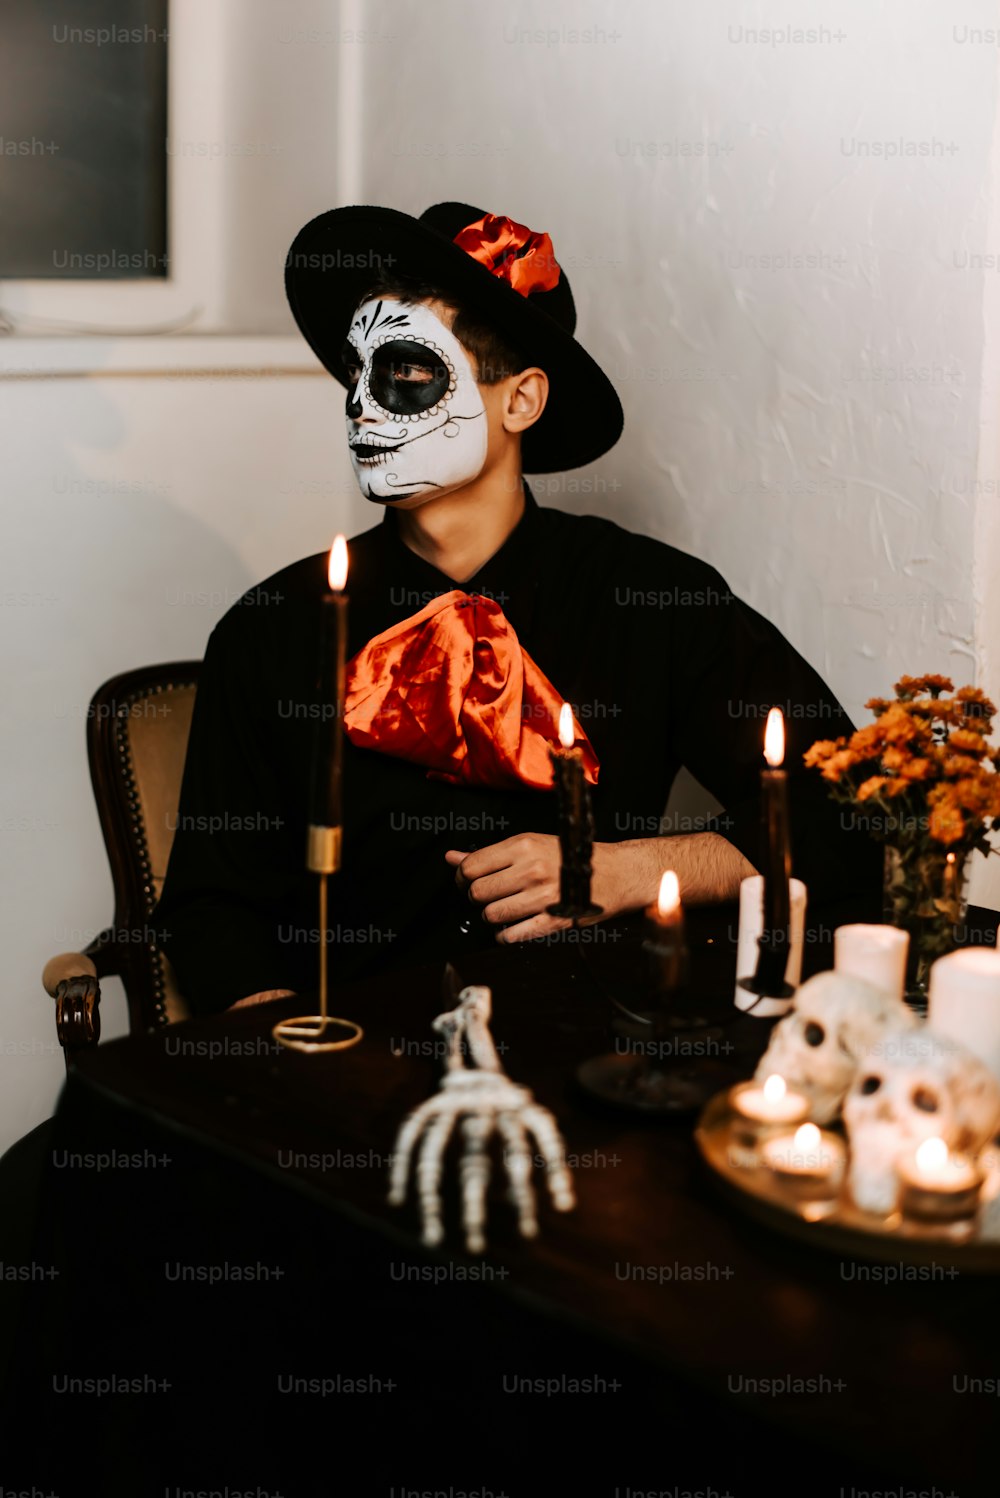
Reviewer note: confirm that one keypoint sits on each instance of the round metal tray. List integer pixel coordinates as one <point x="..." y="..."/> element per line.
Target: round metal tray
<point x="838" y="1225"/>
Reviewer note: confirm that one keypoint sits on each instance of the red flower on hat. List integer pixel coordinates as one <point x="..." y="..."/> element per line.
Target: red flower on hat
<point x="525" y="260"/>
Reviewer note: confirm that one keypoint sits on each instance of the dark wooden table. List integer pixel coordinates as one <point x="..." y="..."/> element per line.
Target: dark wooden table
<point x="716" y="1350"/>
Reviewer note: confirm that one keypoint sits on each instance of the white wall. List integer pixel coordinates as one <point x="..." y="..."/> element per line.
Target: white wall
<point x="812" y="429"/>
<point x="135" y="510"/>
<point x="777" y="419"/>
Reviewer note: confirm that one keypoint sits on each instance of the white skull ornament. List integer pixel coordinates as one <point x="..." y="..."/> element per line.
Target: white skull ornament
<point x="818" y="1047"/>
<point x="914" y="1085"/>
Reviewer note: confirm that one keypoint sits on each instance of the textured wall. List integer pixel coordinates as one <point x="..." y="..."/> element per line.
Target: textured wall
<point x="776" y="242"/>
<point x="135" y="512"/>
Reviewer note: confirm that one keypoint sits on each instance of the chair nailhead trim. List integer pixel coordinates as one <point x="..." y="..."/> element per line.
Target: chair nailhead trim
<point x="140" y="845"/>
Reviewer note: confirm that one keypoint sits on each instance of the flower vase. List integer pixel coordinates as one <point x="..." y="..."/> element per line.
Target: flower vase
<point x="924" y="894"/>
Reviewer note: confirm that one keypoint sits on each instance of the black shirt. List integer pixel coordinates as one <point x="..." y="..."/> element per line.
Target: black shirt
<point x="663" y="665"/>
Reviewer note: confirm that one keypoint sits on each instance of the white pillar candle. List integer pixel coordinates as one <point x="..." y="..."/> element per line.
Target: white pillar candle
<point x="751" y="926"/>
<point x="875" y="953"/>
<point x="964" y="1002"/>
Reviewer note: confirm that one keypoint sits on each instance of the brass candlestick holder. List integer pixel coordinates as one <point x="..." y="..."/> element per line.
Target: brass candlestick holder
<point x="305" y="1032"/>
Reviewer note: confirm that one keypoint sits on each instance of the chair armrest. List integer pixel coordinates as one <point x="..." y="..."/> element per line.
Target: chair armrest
<point x="71" y="979"/>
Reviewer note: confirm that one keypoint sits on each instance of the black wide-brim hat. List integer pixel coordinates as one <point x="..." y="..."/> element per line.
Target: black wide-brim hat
<point x="338" y="256"/>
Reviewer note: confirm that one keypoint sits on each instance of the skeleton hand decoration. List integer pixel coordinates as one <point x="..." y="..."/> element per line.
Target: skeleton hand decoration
<point x="484" y="1098"/>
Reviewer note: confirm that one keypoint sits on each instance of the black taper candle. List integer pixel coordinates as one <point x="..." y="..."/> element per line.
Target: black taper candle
<point x="775" y="940"/>
<point x="576" y="824"/>
<point x="326" y="800"/>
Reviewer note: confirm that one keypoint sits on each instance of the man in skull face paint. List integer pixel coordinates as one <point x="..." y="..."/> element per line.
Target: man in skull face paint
<point x="474" y="612"/>
<point x="415" y="409"/>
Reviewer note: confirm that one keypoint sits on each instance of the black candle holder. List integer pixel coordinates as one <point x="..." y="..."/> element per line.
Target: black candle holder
<point x="576" y="837"/>
<point x="642" y="1082"/>
<point x="768" y="980"/>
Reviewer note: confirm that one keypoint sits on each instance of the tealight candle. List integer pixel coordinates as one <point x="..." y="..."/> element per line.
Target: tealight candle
<point x="763" y="1110"/>
<point x="964" y="1001"/>
<point x="875" y="953"/>
<point x="810" y="1162"/>
<point x="936" y="1184"/>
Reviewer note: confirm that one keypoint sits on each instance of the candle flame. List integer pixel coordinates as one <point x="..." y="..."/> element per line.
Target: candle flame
<point x="932" y="1154"/>
<point x="774" y="738"/>
<point x="337" y="570"/>
<point x="950" y="858"/>
<point x="567" y="734"/>
<point x="669" y="894"/>
<point x="775" y="1088"/>
<point x="806" y="1138"/>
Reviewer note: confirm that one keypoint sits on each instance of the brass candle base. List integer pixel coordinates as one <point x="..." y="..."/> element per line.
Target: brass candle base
<point x="294" y="1033"/>
<point x="305" y="1031"/>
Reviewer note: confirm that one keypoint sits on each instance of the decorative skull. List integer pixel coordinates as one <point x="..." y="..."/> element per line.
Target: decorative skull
<point x="912" y="1085"/>
<point x="817" y="1048"/>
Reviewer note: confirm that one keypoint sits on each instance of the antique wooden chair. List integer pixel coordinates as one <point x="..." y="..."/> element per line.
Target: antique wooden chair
<point x="137" y="733"/>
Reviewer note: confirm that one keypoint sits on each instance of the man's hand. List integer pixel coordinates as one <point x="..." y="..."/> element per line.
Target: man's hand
<point x="263" y="998"/>
<point x="514" y="882"/>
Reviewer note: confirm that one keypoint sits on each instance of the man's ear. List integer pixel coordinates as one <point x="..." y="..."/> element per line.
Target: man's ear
<point x="525" y="399"/>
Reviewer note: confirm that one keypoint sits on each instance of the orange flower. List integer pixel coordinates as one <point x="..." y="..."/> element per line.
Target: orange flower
<point x="867" y="741"/>
<point x="970" y="794"/>
<point x="897" y="787"/>
<point x="946" y="824"/>
<point x="917" y="769"/>
<point x="955" y="765"/>
<point x="908" y="686"/>
<point x="897" y="725"/>
<point x="878" y="704"/>
<point x="837" y="764"/>
<point x="967" y="740"/>
<point x="870" y="787"/>
<point x="978" y="697"/>
<point x="821" y="750"/>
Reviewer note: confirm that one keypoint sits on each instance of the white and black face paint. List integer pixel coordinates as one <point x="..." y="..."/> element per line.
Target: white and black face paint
<point x="416" y="423"/>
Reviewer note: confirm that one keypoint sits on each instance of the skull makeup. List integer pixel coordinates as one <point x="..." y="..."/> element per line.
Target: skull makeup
<point x="914" y="1084"/>
<point x="416" y="423"/>
<point x="818" y="1047"/>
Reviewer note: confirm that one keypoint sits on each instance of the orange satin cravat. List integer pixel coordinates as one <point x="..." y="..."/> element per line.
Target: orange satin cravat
<point x="452" y="689"/>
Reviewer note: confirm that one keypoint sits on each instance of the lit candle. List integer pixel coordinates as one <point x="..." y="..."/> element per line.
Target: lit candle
<point x="809" y="1162"/>
<point x="771" y="1104"/>
<point x="875" y="953"/>
<point x="964" y="1002"/>
<point x="576" y="823"/>
<point x="759" y="1112"/>
<point x="326" y="801"/>
<point x="936" y="1184"/>
<point x="769" y="977"/>
<point x="664" y="941"/>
